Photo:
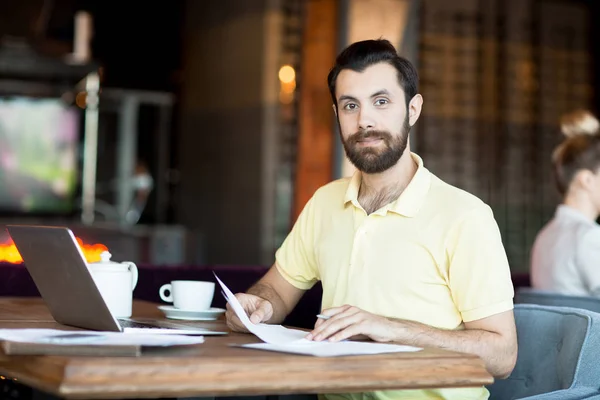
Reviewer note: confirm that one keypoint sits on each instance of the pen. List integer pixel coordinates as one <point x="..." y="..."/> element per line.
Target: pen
<point x="323" y="316"/>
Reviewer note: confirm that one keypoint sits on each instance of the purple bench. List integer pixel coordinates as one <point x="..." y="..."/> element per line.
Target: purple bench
<point x="15" y="281"/>
<point x="237" y="278"/>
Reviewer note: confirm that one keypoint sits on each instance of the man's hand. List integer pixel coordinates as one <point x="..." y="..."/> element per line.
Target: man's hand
<point x="258" y="309"/>
<point x="349" y="321"/>
<point x="492" y="338"/>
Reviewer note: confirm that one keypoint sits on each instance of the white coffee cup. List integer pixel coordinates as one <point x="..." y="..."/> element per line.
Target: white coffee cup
<point x="188" y="295"/>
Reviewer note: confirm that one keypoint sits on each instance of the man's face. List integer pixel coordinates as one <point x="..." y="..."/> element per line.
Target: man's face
<point x="373" y="117"/>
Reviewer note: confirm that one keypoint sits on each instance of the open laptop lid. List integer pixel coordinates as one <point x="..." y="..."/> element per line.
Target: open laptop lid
<point x="59" y="270"/>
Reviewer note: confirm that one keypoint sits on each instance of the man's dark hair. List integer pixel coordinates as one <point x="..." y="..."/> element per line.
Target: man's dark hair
<point x="360" y="55"/>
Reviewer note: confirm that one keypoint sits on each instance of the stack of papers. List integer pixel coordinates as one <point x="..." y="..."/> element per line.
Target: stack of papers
<point x="281" y="339"/>
<point x="74" y="338"/>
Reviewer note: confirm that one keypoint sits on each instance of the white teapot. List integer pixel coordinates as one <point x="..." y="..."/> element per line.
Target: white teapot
<point x="116" y="282"/>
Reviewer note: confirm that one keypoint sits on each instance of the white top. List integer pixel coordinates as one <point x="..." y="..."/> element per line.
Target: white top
<point x="565" y="257"/>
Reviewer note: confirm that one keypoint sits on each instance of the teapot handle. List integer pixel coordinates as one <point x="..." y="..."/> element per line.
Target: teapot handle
<point x="134" y="273"/>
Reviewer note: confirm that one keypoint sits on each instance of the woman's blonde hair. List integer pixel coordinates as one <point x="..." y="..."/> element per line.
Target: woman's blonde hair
<point x="580" y="150"/>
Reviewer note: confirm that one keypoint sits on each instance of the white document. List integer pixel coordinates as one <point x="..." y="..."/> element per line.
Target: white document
<point x="328" y="349"/>
<point x="73" y="338"/>
<point x="274" y="334"/>
<point x="281" y="339"/>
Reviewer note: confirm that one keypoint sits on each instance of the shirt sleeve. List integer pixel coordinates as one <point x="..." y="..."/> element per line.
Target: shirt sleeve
<point x="588" y="261"/>
<point x="479" y="273"/>
<point x="295" y="259"/>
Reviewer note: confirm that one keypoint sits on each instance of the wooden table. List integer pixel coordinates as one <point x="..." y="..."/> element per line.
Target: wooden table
<point x="216" y="369"/>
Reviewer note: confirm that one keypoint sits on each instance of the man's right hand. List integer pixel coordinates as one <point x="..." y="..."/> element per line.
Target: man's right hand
<point x="258" y="309"/>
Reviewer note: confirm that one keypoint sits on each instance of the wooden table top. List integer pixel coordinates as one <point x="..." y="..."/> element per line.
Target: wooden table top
<point x="214" y="368"/>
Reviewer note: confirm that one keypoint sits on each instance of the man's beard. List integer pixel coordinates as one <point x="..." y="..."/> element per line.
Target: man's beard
<point x="374" y="160"/>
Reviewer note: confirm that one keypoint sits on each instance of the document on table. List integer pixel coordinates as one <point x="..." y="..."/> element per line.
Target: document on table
<point x="73" y="338"/>
<point x="281" y="339"/>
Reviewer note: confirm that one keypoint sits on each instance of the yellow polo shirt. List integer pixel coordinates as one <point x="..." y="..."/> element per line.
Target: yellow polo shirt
<point x="434" y="256"/>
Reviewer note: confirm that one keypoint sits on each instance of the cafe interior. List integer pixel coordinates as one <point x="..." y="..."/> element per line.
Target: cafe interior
<point x="180" y="140"/>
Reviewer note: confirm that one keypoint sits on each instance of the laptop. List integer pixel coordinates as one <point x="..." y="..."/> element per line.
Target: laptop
<point x="59" y="270"/>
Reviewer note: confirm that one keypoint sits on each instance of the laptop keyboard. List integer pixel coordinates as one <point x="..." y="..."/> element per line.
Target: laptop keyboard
<point x="126" y="323"/>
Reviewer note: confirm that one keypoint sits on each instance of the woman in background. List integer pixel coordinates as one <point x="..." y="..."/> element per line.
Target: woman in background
<point x="566" y="254"/>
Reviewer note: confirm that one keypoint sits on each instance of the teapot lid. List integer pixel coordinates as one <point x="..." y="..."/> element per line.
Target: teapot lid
<point x="105" y="264"/>
<point x="105" y="257"/>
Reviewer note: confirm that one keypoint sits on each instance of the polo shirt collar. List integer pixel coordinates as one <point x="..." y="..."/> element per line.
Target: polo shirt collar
<point x="410" y="200"/>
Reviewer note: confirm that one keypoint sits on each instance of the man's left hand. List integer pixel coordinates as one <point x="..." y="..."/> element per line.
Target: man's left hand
<point x="349" y="321"/>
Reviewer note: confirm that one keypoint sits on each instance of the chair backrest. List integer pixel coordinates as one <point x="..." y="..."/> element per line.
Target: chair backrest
<point x="535" y="296"/>
<point x="558" y="347"/>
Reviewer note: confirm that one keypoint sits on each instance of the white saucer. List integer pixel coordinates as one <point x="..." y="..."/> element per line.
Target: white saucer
<point x="176" y="313"/>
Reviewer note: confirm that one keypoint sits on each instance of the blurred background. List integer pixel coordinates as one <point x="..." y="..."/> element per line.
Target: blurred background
<point x="193" y="132"/>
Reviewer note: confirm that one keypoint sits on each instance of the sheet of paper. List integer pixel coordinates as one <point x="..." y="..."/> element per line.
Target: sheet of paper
<point x="279" y="338"/>
<point x="274" y="334"/>
<point x="74" y="338"/>
<point x="327" y="349"/>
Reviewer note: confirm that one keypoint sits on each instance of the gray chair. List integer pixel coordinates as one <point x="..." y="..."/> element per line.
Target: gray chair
<point x="559" y="349"/>
<point x="534" y="296"/>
